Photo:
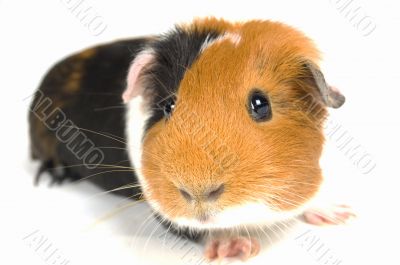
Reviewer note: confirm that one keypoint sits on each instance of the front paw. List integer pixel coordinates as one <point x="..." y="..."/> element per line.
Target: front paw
<point x="337" y="214"/>
<point x="237" y="247"/>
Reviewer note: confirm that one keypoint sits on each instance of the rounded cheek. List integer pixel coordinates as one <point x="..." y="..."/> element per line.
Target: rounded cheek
<point x="168" y="200"/>
<point x="281" y="183"/>
<point x="291" y="199"/>
<point x="160" y="191"/>
<point x="292" y="190"/>
<point x="295" y="176"/>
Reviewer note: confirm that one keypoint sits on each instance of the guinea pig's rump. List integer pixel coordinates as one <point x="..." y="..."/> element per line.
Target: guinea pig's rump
<point x="77" y="118"/>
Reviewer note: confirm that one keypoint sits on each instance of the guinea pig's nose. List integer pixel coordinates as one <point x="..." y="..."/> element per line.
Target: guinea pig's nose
<point x="186" y="195"/>
<point x="209" y="194"/>
<point x="213" y="194"/>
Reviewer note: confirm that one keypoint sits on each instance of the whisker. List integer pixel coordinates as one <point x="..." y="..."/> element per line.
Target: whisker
<point x="154" y="77"/>
<point x="99" y="165"/>
<point x="105" y="134"/>
<point x="110" y="107"/>
<point x="126" y="186"/>
<point x="284" y="191"/>
<point x="269" y="238"/>
<point x="103" y="172"/>
<point x="146" y="221"/>
<point x="293" y="181"/>
<point x="165" y="237"/>
<point x="99" y="93"/>
<point x="279" y="199"/>
<point x="151" y="235"/>
<point x="248" y="235"/>
<point x="113" y="213"/>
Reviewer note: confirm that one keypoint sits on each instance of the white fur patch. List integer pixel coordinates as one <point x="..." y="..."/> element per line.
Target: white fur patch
<point x="233" y="37"/>
<point x="137" y="115"/>
<point x="249" y="214"/>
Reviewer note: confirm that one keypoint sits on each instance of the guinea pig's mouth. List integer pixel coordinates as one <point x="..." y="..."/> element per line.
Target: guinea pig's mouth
<point x="248" y="214"/>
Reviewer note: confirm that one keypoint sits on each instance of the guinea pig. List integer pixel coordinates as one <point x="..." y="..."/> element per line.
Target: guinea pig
<point x="217" y="125"/>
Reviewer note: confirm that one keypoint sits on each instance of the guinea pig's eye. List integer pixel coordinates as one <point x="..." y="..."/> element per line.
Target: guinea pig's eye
<point x="259" y="107"/>
<point x="169" y="107"/>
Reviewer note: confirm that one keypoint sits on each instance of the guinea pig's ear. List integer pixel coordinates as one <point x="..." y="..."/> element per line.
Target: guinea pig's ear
<point x="331" y="96"/>
<point x="134" y="86"/>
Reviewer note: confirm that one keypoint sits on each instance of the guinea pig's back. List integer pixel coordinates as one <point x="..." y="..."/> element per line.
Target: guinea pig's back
<point x="83" y="92"/>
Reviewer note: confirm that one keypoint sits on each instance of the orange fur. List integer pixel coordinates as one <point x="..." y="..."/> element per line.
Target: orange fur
<point x="211" y="139"/>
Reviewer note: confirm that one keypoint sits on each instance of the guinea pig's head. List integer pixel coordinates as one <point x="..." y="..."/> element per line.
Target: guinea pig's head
<point x="225" y="122"/>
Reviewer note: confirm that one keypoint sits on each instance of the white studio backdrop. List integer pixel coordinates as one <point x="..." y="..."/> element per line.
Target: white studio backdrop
<point x="75" y="224"/>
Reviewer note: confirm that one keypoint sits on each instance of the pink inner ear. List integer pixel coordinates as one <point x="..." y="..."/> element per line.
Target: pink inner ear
<point x="133" y="88"/>
<point x="335" y="89"/>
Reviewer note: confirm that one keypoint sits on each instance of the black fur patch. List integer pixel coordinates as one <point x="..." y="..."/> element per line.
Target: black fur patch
<point x="186" y="233"/>
<point x="174" y="54"/>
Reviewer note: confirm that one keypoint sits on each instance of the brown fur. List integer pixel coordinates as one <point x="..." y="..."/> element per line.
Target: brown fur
<point x="275" y="161"/>
<point x="67" y="75"/>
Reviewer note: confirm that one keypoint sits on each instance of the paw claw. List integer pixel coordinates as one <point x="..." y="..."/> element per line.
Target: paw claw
<point x="338" y="214"/>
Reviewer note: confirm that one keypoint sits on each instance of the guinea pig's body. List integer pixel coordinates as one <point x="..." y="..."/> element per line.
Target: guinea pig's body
<point x="87" y="88"/>
<point x="220" y="124"/>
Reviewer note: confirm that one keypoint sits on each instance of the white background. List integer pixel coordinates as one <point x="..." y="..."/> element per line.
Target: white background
<point x="86" y="229"/>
